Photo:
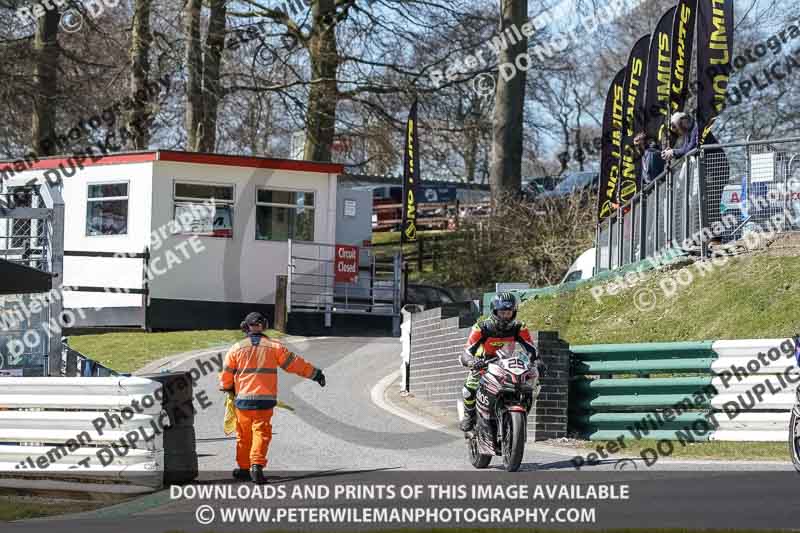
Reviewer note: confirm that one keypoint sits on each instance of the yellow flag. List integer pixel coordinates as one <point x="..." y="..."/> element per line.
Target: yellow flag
<point x="229" y="427"/>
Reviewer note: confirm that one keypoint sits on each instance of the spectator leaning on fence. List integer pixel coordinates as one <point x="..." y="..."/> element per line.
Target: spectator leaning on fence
<point x="652" y="162"/>
<point x="686" y="128"/>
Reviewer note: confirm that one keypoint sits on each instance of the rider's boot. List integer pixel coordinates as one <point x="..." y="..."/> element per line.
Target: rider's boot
<point x="469" y="420"/>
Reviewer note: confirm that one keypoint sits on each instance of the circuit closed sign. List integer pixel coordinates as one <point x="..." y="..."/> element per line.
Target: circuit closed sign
<point x="346" y="264"/>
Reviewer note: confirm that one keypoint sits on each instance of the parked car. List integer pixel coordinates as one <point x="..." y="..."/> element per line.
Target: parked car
<point x="573" y="183"/>
<point x="428" y="296"/>
<point x="582" y="268"/>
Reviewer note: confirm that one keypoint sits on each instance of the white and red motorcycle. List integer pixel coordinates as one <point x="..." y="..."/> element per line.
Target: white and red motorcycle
<point x="505" y="396"/>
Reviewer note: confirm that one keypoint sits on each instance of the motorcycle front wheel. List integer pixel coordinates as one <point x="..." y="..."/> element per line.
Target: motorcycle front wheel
<point x="513" y="439"/>
<point x="794" y="437"/>
<point x="476" y="458"/>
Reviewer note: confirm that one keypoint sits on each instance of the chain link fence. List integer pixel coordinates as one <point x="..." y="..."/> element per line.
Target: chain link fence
<point x="715" y="194"/>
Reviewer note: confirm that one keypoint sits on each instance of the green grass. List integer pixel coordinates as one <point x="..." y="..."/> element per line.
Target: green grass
<point x="733" y="451"/>
<point x="749" y="297"/>
<point x="21" y="508"/>
<point x="128" y="352"/>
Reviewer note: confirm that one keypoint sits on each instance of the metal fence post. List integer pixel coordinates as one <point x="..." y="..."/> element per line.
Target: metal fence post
<point x="657" y="197"/>
<point x="54" y="354"/>
<point x="687" y="188"/>
<point x="289" y="281"/>
<point x="643" y="227"/>
<point x="670" y="207"/>
<point x="701" y="177"/>
<point x="620" y="233"/>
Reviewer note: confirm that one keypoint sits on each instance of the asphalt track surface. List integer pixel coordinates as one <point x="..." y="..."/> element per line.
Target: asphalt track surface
<point x="338" y="434"/>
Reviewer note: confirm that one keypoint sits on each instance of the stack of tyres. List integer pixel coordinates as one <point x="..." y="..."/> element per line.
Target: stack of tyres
<point x="180" y="447"/>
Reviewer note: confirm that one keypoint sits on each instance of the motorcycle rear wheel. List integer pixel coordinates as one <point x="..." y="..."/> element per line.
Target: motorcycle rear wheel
<point x="513" y="440"/>
<point x="476" y="458"/>
<point x="794" y="437"/>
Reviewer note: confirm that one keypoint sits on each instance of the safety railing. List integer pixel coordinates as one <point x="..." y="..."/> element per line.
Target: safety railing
<point x="715" y="193"/>
<point x="313" y="287"/>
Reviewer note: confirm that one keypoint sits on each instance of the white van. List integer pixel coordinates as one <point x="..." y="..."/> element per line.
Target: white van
<point x="582" y="268"/>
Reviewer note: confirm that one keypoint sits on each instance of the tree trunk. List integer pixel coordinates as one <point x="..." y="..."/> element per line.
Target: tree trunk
<point x="506" y="170"/>
<point x="212" y="62"/>
<point x="324" y="92"/>
<point x="194" y="74"/>
<point x="45" y="81"/>
<point x="141" y="38"/>
<point x="471" y="152"/>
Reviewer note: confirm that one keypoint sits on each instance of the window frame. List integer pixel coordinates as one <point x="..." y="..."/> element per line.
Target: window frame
<point x="127" y="199"/>
<point x="186" y="200"/>
<point x="285" y="206"/>
<point x="189" y="199"/>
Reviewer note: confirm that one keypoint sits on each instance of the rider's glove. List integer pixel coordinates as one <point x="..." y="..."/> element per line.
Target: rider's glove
<point x="319" y="377"/>
<point x="479" y="364"/>
<point x="541" y="368"/>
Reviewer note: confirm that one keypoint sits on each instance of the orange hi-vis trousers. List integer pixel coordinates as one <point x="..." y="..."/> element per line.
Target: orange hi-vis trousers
<point x="253" y="435"/>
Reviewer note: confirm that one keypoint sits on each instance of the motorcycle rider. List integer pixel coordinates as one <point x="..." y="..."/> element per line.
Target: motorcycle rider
<point x="485" y="339"/>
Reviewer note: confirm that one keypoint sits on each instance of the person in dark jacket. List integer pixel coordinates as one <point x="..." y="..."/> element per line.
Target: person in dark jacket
<point x="685" y="127"/>
<point x="652" y="162"/>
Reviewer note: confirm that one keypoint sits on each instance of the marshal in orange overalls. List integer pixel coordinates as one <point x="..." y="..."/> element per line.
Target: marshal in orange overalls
<point x="251" y="371"/>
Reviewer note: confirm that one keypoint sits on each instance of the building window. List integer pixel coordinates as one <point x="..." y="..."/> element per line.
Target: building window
<point x="107" y="209"/>
<point x="283" y="215"/>
<point x="204" y="209"/>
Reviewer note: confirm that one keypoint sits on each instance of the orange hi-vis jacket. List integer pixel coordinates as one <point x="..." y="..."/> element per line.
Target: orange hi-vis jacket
<point x="251" y="371"/>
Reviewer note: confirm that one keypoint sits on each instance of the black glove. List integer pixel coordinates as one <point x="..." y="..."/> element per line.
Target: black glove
<point x="319" y="377"/>
<point x="479" y="364"/>
<point x="541" y="368"/>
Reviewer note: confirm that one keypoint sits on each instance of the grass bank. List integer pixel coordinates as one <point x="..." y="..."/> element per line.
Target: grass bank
<point x="16" y="508"/>
<point x="128" y="352"/>
<point x="730" y="451"/>
<point x="747" y="297"/>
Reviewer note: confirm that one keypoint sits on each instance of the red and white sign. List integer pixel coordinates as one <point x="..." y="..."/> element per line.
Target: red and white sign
<point x="345" y="264"/>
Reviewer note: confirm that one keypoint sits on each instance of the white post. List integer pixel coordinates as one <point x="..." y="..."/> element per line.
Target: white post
<point x="289" y="281"/>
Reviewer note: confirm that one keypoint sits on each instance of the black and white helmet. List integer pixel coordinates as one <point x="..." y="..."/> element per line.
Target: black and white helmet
<point x="504" y="301"/>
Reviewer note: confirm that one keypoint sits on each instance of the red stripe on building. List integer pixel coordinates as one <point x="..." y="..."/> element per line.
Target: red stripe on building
<point x="186" y="157"/>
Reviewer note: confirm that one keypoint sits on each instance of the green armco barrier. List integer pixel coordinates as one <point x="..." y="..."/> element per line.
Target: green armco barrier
<point x="642" y="366"/>
<point x="621" y="421"/>
<point x="685" y="385"/>
<point x="642" y="350"/>
<point x="636" y="402"/>
<point x="659" y="434"/>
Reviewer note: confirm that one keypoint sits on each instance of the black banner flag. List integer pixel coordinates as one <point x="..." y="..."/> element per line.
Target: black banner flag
<point x="682" y="43"/>
<point x="633" y="119"/>
<point x="714" y="50"/>
<point x="410" y="178"/>
<point x="611" y="146"/>
<point x="659" y="70"/>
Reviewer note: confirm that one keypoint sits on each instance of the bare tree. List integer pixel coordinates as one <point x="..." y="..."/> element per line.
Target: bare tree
<point x="141" y="40"/>
<point x="45" y="78"/>
<point x="506" y="166"/>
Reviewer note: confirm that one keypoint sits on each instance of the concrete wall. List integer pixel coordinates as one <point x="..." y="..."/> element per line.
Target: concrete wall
<point x="437" y="376"/>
